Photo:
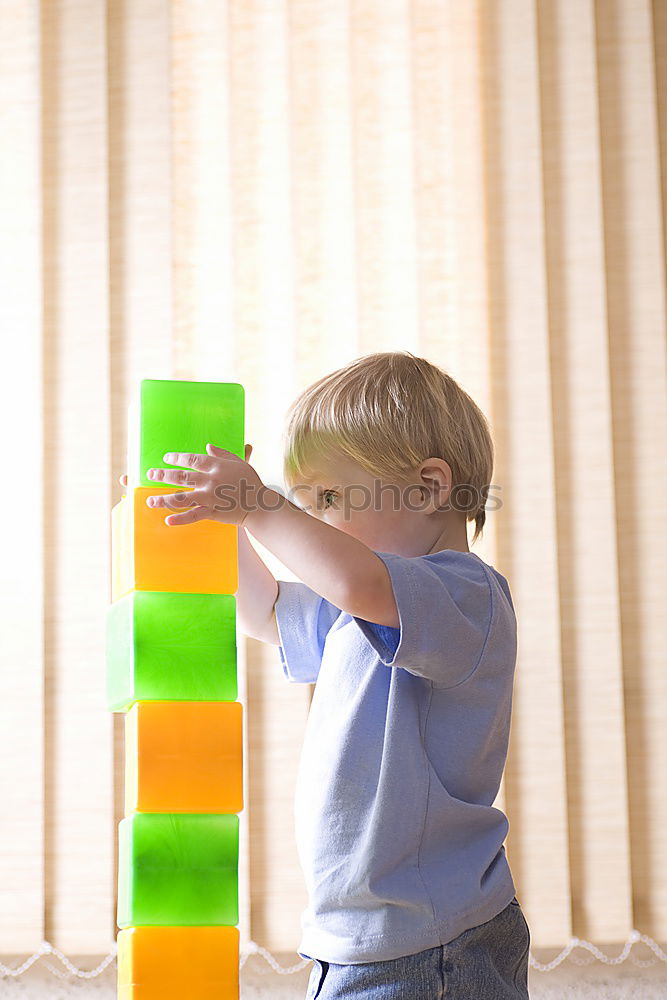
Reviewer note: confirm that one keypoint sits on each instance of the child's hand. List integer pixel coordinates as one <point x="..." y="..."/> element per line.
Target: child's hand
<point x="226" y="488"/>
<point x="123" y="478"/>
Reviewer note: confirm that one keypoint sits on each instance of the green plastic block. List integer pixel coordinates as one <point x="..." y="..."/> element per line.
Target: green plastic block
<point x="180" y="415"/>
<point x="164" y="646"/>
<point x="178" y="868"/>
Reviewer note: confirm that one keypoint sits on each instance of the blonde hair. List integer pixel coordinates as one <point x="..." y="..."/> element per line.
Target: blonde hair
<point x="388" y="412"/>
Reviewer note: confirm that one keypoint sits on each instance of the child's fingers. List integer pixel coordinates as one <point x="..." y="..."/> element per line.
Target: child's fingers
<point x="217" y="452"/>
<point x="189" y="517"/>
<point x="177" y="477"/>
<point x="171" y="500"/>
<point x="194" y="512"/>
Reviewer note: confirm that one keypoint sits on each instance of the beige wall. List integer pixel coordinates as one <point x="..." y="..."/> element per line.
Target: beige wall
<point x="259" y="191"/>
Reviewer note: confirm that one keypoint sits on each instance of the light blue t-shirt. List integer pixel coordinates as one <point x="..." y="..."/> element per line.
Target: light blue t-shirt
<point x="403" y="753"/>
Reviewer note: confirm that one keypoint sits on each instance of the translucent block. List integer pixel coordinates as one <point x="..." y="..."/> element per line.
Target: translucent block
<point x="175" y="963"/>
<point x="147" y="554"/>
<point x="121" y="567"/>
<point x="180" y="415"/>
<point x="178" y="869"/>
<point x="170" y="647"/>
<point x="184" y="756"/>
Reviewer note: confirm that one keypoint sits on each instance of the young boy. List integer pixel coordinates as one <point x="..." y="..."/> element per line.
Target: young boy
<point x="410" y="640"/>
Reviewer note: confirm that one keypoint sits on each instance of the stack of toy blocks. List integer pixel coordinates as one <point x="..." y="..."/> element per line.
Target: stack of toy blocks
<point x="171" y="668"/>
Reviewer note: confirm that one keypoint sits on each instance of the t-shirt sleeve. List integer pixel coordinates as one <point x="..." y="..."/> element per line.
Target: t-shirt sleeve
<point x="303" y="619"/>
<point x="445" y="609"/>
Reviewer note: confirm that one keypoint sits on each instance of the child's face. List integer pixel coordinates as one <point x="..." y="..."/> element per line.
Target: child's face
<point x="383" y="514"/>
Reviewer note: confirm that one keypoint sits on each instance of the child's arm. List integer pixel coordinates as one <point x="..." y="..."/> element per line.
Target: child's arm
<point x="331" y="562"/>
<point x="257" y="591"/>
<point x="256" y="594"/>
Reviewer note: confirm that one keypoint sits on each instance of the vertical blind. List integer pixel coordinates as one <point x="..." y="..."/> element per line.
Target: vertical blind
<point x="260" y="191"/>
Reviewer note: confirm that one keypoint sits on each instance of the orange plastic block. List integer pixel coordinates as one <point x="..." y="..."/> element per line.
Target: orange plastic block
<point x="175" y="963"/>
<point x="148" y="554"/>
<point x="184" y="756"/>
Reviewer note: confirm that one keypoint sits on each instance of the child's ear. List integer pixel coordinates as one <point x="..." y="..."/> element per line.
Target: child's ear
<point x="439" y="474"/>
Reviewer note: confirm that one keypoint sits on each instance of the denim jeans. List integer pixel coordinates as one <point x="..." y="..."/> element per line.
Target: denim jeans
<point x="487" y="962"/>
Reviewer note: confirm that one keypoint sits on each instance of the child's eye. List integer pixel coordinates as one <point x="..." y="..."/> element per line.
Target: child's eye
<point x="325" y="493"/>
